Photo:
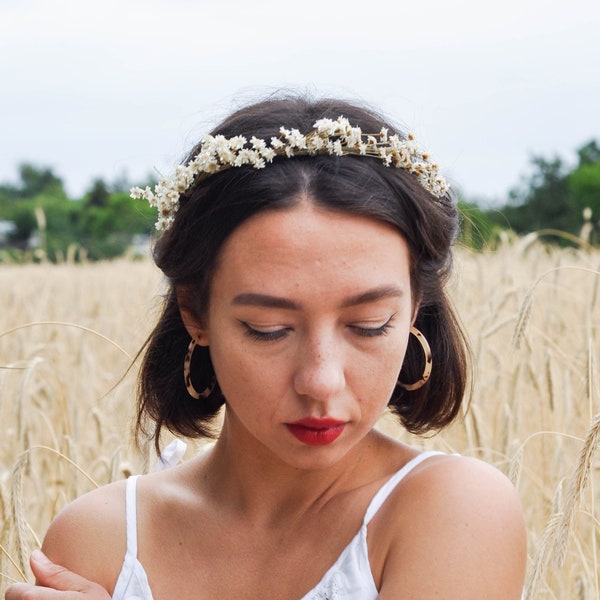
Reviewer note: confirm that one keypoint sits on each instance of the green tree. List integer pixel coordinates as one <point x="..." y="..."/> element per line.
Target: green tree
<point x="35" y="181"/>
<point x="553" y="196"/>
<point x="584" y="184"/>
<point x="61" y="230"/>
<point x="98" y="195"/>
<point x="22" y="214"/>
<point x="544" y="201"/>
<point x="589" y="153"/>
<point x="106" y="230"/>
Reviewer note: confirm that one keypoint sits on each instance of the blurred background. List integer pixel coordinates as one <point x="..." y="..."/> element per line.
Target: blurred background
<point x="99" y="96"/>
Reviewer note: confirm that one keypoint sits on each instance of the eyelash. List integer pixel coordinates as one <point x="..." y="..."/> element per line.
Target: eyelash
<point x="271" y="336"/>
<point x="264" y="336"/>
<point x="376" y="331"/>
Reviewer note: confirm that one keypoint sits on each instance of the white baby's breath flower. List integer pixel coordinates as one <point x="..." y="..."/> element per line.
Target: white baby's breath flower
<point x="255" y="159"/>
<point x="412" y="145"/>
<point x="342" y="126"/>
<point x="244" y="157"/>
<point x="353" y="136"/>
<point x="210" y="167"/>
<point x="258" y="144"/>
<point x="395" y="142"/>
<point x="315" y="143"/>
<point x="325" y="127"/>
<point x="237" y="142"/>
<point x="334" y="137"/>
<point x="268" y="154"/>
<point x="386" y="156"/>
<point x="221" y="147"/>
<point x="297" y="140"/>
<point x="138" y="193"/>
<point x="337" y="148"/>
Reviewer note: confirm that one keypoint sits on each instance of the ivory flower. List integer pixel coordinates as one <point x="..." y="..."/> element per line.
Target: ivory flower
<point x="334" y="137"/>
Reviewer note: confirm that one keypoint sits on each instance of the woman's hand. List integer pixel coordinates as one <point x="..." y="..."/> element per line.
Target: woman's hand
<point x="54" y="582"/>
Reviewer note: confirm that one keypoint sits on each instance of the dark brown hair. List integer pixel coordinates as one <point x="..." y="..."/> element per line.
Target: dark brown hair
<point x="212" y="209"/>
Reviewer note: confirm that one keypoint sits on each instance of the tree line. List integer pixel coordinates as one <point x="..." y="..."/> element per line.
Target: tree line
<point x="38" y="219"/>
<point x="553" y="197"/>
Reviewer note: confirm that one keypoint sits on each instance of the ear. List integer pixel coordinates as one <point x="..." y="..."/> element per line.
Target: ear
<point x="191" y="322"/>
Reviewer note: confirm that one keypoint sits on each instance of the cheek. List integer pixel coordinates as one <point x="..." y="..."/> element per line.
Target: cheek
<point x="231" y="368"/>
<point x="242" y="374"/>
<point x="374" y="377"/>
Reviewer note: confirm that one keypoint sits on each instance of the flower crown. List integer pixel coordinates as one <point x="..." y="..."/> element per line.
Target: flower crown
<point x="334" y="137"/>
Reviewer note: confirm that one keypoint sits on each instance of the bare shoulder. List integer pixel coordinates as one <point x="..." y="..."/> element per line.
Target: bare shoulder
<point x="88" y="535"/>
<point x="457" y="531"/>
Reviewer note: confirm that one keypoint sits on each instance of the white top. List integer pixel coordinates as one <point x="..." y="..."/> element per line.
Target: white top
<point x="349" y="578"/>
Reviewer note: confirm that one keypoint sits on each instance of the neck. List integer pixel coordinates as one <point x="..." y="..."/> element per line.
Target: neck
<point x="249" y="479"/>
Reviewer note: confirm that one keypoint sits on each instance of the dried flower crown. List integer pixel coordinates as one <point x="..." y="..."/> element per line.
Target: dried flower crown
<point x="334" y="137"/>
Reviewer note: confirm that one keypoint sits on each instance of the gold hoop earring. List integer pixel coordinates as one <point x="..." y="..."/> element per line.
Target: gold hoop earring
<point x="410" y="387"/>
<point x="187" y="378"/>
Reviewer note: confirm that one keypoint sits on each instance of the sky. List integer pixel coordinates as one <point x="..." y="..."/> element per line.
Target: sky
<point x="122" y="88"/>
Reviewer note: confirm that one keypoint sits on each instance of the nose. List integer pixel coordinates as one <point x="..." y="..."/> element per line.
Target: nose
<point x="320" y="374"/>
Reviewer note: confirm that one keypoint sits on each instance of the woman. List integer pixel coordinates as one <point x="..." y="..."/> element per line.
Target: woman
<point x="307" y="262"/>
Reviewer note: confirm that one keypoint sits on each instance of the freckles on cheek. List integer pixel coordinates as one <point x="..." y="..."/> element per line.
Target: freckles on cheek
<point x="383" y="382"/>
<point x="370" y="388"/>
<point x="241" y="373"/>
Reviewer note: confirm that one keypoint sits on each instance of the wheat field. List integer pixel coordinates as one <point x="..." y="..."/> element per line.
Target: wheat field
<point x="68" y="334"/>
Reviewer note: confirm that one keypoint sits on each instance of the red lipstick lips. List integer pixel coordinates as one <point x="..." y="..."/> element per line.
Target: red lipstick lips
<point x="316" y="431"/>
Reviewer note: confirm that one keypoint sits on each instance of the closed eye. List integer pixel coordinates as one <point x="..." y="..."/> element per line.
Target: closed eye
<point x="373" y="331"/>
<point x="265" y="335"/>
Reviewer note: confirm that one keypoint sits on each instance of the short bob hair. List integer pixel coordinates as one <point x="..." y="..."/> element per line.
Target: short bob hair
<point x="211" y="210"/>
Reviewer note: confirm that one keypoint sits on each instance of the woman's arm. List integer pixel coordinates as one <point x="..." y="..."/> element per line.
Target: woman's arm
<point x="82" y="552"/>
<point x="459" y="535"/>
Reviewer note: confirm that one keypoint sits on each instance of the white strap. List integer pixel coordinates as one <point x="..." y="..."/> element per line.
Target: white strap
<point x="131" y="514"/>
<point x="388" y="487"/>
<point x="171" y="455"/>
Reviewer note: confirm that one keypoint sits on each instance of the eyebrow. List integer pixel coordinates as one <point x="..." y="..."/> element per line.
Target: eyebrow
<point x="250" y="299"/>
<point x="268" y="301"/>
<point x="380" y="293"/>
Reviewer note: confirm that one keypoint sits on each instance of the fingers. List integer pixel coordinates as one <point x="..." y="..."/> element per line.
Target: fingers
<point x="54" y="583"/>
<point x="27" y="591"/>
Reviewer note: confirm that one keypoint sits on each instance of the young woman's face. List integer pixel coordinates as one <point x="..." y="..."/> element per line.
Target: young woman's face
<point x="308" y="325"/>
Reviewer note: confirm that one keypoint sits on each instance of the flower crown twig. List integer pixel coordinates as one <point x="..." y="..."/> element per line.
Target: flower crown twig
<point x="333" y="137"/>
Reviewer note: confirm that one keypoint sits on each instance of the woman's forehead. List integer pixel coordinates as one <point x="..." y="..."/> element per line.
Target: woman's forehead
<point x="309" y="246"/>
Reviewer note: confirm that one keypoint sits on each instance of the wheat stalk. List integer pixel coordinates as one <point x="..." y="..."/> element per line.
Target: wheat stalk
<point x="532" y="409"/>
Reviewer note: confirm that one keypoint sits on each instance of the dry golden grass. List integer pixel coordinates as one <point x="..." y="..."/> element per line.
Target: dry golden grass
<point x="67" y="334"/>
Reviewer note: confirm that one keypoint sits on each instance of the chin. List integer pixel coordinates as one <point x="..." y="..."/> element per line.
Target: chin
<point x="317" y="458"/>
